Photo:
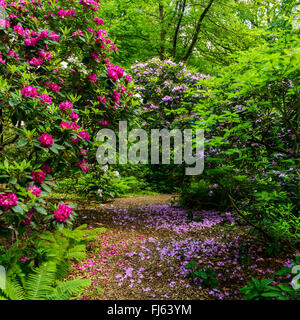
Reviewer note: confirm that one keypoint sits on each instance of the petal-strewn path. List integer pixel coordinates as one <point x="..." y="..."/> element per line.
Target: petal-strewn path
<point x="148" y="243"/>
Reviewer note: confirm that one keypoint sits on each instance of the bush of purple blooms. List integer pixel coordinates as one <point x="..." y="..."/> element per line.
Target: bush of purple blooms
<point x="164" y="87"/>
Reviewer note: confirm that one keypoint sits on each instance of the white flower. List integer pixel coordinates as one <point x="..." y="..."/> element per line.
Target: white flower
<point x="105" y="168"/>
<point x="100" y="193"/>
<point x="116" y="174"/>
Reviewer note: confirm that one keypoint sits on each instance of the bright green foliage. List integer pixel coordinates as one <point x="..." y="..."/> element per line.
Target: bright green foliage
<point x="41" y="284"/>
<point x="49" y="254"/>
<point x="263" y="290"/>
<point x="251" y="119"/>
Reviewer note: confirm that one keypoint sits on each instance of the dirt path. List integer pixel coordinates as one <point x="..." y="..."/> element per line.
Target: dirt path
<point x="148" y="243"/>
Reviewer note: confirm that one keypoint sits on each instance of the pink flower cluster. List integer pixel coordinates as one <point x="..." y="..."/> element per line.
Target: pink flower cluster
<point x="44" y="56"/>
<point x="34" y="190"/>
<point x="32" y="37"/>
<point x="64" y="106"/>
<point x="84" y="135"/>
<point x="53" y="86"/>
<point x="45" y="140"/>
<point x="62" y="13"/>
<point x="62" y="213"/>
<point x="8" y="200"/>
<point x="115" y="72"/>
<point x="91" y="3"/>
<point x="38" y="177"/>
<point x="72" y="126"/>
<point x="98" y="21"/>
<point x="82" y="164"/>
<point x="1" y="59"/>
<point x="13" y="54"/>
<point x="93" y="77"/>
<point x="29" y="91"/>
<point x="102" y="99"/>
<point x="45" y="98"/>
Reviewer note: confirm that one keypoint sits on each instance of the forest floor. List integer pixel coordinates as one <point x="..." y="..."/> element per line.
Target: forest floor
<point x="149" y="241"/>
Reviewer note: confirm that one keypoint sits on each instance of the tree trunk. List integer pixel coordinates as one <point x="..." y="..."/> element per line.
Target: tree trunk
<point x="197" y="31"/>
<point x="181" y="13"/>
<point x="163" y="32"/>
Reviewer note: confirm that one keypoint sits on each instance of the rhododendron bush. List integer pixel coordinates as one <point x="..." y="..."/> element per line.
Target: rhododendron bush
<point x="58" y="88"/>
<point x="164" y="86"/>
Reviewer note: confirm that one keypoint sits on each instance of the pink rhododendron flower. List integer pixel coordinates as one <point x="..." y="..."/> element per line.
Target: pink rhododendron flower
<point x="66" y="105"/>
<point x="78" y="33"/>
<point x="74" y="116"/>
<point x="62" y="213"/>
<point x="82" y="164"/>
<point x="119" y="71"/>
<point x="116" y="96"/>
<point x="102" y="99"/>
<point x="53" y="86"/>
<point x="45" y="98"/>
<point x="53" y="36"/>
<point x="29" y="91"/>
<point x="95" y="56"/>
<point x="45" y="140"/>
<point x="38" y="177"/>
<point x="84" y="135"/>
<point x="63" y="13"/>
<point x="35" y="190"/>
<point x="122" y="89"/>
<point x="20" y="30"/>
<point x="13" y="54"/>
<point x="3" y="4"/>
<point x="8" y="200"/>
<point x="128" y="78"/>
<point x="36" y="62"/>
<point x="65" y="125"/>
<point x="98" y="21"/>
<point x="45" y="55"/>
<point x="93" y="77"/>
<point x="31" y="42"/>
<point x="113" y="75"/>
<point x="1" y="59"/>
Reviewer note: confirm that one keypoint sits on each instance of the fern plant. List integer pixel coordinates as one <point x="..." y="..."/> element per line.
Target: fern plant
<point x="66" y="244"/>
<point x="42" y="285"/>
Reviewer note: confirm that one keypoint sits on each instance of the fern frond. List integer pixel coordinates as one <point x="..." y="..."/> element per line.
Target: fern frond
<point x="13" y="291"/>
<point x="78" y="252"/>
<point x="39" y="284"/>
<point x="67" y="289"/>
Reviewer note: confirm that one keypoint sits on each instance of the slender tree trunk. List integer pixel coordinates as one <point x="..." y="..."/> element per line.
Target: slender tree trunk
<point x="163" y="32"/>
<point x="197" y="31"/>
<point x="175" y="39"/>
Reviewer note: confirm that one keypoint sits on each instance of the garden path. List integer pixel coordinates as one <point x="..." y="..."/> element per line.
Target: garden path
<point x="148" y="242"/>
